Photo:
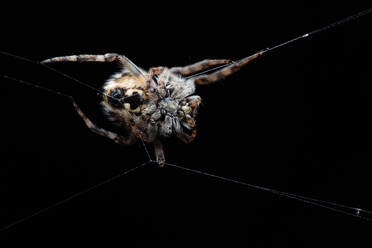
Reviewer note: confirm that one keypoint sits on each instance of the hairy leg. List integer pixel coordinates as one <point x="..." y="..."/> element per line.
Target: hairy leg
<point x="153" y="71"/>
<point x="228" y="70"/>
<point x="199" y="66"/>
<point x="108" y="134"/>
<point x="159" y="152"/>
<point x="187" y="138"/>
<point x="108" y="57"/>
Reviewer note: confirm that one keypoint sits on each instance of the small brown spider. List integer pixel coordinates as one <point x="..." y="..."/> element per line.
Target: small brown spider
<point x="155" y="104"/>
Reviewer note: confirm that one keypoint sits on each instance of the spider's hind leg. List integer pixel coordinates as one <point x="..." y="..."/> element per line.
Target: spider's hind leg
<point x="108" y="57"/>
<point x="108" y="134"/>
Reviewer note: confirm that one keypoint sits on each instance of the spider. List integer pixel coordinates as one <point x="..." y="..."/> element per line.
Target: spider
<point x="156" y="104"/>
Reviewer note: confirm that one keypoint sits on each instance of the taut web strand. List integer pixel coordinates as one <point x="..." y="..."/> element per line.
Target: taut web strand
<point x="347" y="210"/>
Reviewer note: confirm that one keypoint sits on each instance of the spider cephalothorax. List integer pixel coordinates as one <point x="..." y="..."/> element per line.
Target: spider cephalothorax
<point x="156" y="104"/>
<point x="153" y="106"/>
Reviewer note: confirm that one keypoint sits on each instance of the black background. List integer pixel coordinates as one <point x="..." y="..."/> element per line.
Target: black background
<point x="296" y="120"/>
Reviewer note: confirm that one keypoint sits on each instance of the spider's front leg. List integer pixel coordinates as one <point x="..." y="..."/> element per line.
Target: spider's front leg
<point x="228" y="70"/>
<point x="199" y="66"/>
<point x="108" y="134"/>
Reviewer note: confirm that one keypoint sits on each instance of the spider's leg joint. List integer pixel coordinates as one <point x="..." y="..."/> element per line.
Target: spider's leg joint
<point x="159" y="152"/>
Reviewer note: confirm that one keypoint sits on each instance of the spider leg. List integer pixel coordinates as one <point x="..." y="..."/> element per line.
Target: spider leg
<point x="159" y="152"/>
<point x="199" y="66"/>
<point x="108" y="134"/>
<point x="185" y="137"/>
<point x="228" y="70"/>
<point x="108" y="57"/>
<point x="154" y="71"/>
<point x="137" y="132"/>
<point x="180" y="132"/>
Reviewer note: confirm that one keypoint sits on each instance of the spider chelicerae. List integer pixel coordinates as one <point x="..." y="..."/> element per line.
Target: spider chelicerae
<point x="156" y="104"/>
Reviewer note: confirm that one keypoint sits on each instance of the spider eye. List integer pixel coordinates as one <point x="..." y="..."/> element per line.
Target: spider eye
<point x="115" y="97"/>
<point x="134" y="100"/>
